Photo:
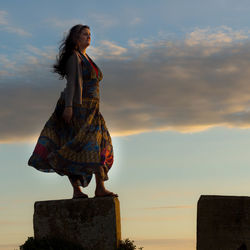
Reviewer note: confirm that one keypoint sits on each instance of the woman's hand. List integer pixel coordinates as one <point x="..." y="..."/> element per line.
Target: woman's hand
<point x="67" y="114"/>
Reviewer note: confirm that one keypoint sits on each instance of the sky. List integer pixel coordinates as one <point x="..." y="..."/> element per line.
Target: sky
<point x="175" y="97"/>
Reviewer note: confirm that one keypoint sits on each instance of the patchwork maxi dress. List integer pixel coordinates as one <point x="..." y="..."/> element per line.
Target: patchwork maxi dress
<point x="82" y="147"/>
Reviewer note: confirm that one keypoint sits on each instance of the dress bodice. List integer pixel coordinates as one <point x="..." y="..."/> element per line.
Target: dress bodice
<point x="91" y="76"/>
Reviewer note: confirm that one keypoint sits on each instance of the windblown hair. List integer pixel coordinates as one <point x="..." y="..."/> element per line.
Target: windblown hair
<point x="68" y="45"/>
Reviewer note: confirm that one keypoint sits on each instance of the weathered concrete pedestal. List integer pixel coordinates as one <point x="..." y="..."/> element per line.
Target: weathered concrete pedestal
<point x="93" y="223"/>
<point x="223" y="223"/>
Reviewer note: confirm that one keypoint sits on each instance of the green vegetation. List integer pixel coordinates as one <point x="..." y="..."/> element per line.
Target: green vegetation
<point x="128" y="245"/>
<point x="59" y="244"/>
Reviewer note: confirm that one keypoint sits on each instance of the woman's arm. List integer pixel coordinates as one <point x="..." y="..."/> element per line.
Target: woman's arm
<point x="71" y="76"/>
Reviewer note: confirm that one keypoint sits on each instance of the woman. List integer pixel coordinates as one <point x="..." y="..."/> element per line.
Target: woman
<point x="75" y="140"/>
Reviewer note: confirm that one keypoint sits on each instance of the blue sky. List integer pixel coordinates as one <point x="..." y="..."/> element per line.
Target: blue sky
<point x="175" y="97"/>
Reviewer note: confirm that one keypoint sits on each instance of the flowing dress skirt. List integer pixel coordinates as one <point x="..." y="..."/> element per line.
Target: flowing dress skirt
<point x="77" y="149"/>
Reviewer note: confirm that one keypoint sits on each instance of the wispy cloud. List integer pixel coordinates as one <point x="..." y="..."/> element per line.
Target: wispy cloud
<point x="6" y="63"/>
<point x="154" y="218"/>
<point x="135" y="21"/>
<point x="15" y="30"/>
<point x="3" y="17"/>
<point x="48" y="52"/>
<point x="102" y="21"/>
<point x="133" y="43"/>
<point x="109" y="50"/>
<point x="63" y="23"/>
<point x="215" y="36"/>
<point x="6" y="25"/>
<point x="170" y="207"/>
<point x="24" y="63"/>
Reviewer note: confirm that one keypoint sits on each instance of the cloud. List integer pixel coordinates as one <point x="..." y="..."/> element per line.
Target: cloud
<point x="102" y="21"/>
<point x="3" y="17"/>
<point x="22" y="65"/>
<point x="169" y="207"/>
<point x="135" y="21"/>
<point x="6" y="26"/>
<point x="139" y="45"/>
<point x="179" y="87"/>
<point x="212" y="37"/>
<point x="49" y="52"/>
<point x="109" y="50"/>
<point x="18" y="31"/>
<point x="154" y="218"/>
<point x="6" y="62"/>
<point x="63" y="23"/>
<point x="176" y="85"/>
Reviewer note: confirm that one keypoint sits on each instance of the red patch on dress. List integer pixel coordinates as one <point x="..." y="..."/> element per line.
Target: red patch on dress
<point x="41" y="151"/>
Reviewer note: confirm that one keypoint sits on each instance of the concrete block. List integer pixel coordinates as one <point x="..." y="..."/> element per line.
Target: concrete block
<point x="223" y="223"/>
<point x="93" y="223"/>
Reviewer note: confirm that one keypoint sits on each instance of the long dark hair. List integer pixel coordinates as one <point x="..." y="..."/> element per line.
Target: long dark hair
<point x="68" y="45"/>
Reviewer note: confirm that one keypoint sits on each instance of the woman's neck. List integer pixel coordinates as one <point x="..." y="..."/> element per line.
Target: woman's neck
<point x="83" y="51"/>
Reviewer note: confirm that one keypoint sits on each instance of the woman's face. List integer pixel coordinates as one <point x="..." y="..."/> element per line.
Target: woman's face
<point x="84" y="38"/>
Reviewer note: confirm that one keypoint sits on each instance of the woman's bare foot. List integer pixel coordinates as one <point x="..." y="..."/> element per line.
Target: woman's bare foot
<point x="100" y="190"/>
<point x="77" y="193"/>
